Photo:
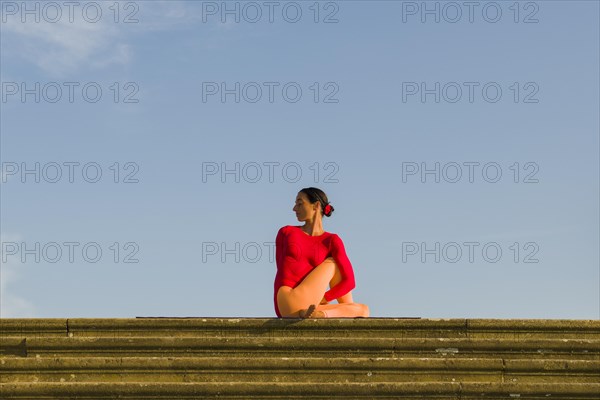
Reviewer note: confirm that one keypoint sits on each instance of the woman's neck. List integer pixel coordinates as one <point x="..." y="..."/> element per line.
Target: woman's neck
<point x="313" y="228"/>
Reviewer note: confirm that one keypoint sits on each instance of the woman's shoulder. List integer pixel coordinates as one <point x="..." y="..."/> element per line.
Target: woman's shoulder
<point x="284" y="229"/>
<point x="335" y="238"/>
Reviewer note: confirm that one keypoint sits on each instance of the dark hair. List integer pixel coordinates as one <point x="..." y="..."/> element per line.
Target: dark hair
<point x="315" y="194"/>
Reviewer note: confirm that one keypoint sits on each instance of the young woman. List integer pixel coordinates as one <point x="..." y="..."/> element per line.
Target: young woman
<point x="308" y="261"/>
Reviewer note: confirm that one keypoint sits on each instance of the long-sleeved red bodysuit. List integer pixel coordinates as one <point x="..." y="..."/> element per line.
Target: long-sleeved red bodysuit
<point x="298" y="253"/>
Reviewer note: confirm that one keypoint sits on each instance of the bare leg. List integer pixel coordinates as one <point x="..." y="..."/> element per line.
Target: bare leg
<point x="313" y="287"/>
<point x="346" y="306"/>
<point x="292" y="302"/>
<point x="287" y="304"/>
<point x="337" y="277"/>
<point x="345" y="310"/>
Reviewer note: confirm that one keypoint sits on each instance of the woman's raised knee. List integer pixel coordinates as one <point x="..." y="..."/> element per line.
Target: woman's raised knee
<point x="366" y="311"/>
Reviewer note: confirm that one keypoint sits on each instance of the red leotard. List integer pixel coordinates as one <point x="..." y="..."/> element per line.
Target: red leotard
<point x="298" y="253"/>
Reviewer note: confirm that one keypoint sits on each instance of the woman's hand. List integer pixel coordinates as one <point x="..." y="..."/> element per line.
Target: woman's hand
<point x="323" y="301"/>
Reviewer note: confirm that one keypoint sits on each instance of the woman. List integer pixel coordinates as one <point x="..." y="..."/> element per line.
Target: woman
<point x="308" y="260"/>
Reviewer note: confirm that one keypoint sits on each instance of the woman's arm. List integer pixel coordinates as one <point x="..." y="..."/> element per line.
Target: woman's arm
<point x="289" y="270"/>
<point x="284" y="254"/>
<point x="347" y="283"/>
<point x="279" y="252"/>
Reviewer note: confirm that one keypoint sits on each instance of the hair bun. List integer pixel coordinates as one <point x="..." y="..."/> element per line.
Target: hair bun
<point x="328" y="210"/>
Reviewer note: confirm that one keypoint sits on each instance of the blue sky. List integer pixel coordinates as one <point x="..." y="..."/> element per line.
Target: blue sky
<point x="367" y="121"/>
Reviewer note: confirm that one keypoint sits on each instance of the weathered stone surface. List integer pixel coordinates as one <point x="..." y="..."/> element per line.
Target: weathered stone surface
<point x="185" y="358"/>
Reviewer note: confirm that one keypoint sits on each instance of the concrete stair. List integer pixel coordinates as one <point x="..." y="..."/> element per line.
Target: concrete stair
<point x="265" y="358"/>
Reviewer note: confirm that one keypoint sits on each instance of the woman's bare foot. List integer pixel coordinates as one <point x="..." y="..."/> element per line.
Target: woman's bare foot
<point x="318" y="314"/>
<point x="308" y="312"/>
<point x="312" y="312"/>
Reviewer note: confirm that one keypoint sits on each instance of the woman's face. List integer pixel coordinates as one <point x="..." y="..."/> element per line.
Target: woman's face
<point x="303" y="208"/>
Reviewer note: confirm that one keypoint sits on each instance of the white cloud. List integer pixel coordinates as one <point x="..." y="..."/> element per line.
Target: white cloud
<point x="11" y="304"/>
<point x="64" y="47"/>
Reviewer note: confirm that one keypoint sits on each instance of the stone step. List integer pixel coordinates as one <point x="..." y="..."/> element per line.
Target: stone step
<point x="290" y="390"/>
<point x="332" y="347"/>
<point x="333" y="327"/>
<point x="298" y="369"/>
<point x="260" y="358"/>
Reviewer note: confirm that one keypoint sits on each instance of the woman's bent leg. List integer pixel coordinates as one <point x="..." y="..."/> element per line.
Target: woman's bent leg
<point x="345" y="310"/>
<point x="315" y="284"/>
<point x="337" y="277"/>
<point x="292" y="302"/>
<point x="286" y="306"/>
<point x="310" y="291"/>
